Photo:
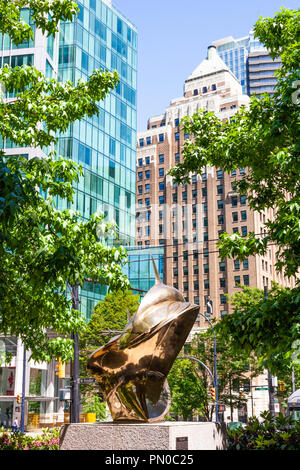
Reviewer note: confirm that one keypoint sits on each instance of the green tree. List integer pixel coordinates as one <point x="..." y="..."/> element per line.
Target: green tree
<point x="235" y="368"/>
<point x="43" y="250"/>
<point x="188" y="393"/>
<point x="265" y="140"/>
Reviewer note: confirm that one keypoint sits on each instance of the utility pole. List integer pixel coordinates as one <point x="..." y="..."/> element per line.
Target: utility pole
<point x="22" y="424"/>
<point x="270" y="377"/>
<point x="75" y="395"/>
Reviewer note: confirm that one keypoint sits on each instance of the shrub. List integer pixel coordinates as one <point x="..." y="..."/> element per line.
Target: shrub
<point x="47" y="440"/>
<point x="274" y="433"/>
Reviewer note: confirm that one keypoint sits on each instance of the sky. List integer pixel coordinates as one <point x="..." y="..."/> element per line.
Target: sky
<point x="173" y="36"/>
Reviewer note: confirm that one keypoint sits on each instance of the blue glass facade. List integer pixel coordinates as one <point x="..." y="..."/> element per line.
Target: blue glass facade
<point x="105" y="145"/>
<point x="140" y="270"/>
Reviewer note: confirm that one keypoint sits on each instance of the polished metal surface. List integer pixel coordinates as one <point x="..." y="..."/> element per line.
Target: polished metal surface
<point x="132" y="368"/>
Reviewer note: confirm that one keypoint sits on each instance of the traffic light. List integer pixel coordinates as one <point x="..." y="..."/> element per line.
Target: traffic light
<point x="213" y="394"/>
<point x="61" y="369"/>
<point x="18" y="399"/>
<point x="281" y="386"/>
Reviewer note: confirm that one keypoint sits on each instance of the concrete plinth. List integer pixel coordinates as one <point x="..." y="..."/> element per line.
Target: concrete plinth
<point x="168" y="435"/>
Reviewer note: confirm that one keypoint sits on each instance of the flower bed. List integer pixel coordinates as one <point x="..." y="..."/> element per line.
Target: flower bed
<point x="279" y="433"/>
<point x="47" y="440"/>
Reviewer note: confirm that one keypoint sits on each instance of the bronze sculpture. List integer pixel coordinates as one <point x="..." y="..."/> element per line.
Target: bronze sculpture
<point x="132" y="367"/>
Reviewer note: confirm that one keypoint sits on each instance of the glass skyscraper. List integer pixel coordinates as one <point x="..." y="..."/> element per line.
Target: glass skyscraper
<point x="250" y="62"/>
<point x="100" y="37"/>
<point x="105" y="145"/>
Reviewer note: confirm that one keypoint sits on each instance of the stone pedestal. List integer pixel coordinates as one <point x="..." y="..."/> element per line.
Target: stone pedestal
<point x="168" y="435"/>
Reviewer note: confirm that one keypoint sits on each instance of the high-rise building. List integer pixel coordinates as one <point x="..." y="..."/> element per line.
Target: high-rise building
<point x="188" y="219"/>
<point x="105" y="145"/>
<point x="250" y="62"/>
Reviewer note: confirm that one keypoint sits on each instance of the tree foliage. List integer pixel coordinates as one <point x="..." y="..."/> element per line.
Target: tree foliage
<point x="44" y="250"/>
<point x="188" y="393"/>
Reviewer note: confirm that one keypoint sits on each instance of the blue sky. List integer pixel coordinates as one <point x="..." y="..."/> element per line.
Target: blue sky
<point x="174" y="36"/>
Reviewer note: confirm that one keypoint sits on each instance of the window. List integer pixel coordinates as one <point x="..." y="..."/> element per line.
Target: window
<point x="220" y="219"/>
<point x="185" y="255"/>
<point x="204" y="89"/>
<point x="214" y="87"/>
<point x="237" y="280"/>
<point x="196" y="268"/>
<point x="224" y="312"/>
<point x="147" y="160"/>
<point x="148" y="140"/>
<point x="147" y="201"/>
<point x="220" y="189"/>
<point x="236" y="264"/>
<point x="220" y="204"/>
<point x="185" y="270"/>
<point x="140" y="162"/>
<point x="147" y="230"/>
<point x="206" y="268"/>
<point x="222" y="282"/>
<point x="147" y="188"/>
<point x="174" y="197"/>
<point x="161" y="137"/>
<point x="204" y="207"/>
<point x="235" y="230"/>
<point x="205" y="221"/>
<point x="196" y="285"/>
<point x="243" y="215"/>
<point x="245" y="264"/>
<point x="147" y="174"/>
<point x="148" y="216"/>
<point x="219" y="174"/>
<point x="140" y="202"/>
<point x="160" y="172"/>
<point x="244" y="231"/>
<point x="194" y="193"/>
<point x="175" y="272"/>
<point x="246" y="280"/>
<point x="204" y="177"/>
<point x="242" y="171"/>
<point x="185" y="286"/>
<point x="141" y="142"/>
<point x="161" y="186"/>
<point x="177" y="157"/>
<point x="140" y="175"/>
<point x="184" y="196"/>
<point x="160" y="228"/>
<point x="243" y="200"/>
<point x="206" y="283"/>
<point x="177" y="135"/>
<point x="234" y="201"/>
<point x="235" y="216"/>
<point x="205" y="236"/>
<point x="205" y="252"/>
<point x="222" y="266"/>
<point x="233" y="173"/>
<point x="176" y="122"/>
<point x="140" y="189"/>
<point x="195" y="92"/>
<point x="194" y="208"/>
<point x="161" y="158"/>
<point x="223" y="299"/>
<point x="204" y="192"/>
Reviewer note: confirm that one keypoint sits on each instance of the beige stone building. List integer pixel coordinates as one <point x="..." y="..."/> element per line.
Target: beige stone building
<point x="188" y="219"/>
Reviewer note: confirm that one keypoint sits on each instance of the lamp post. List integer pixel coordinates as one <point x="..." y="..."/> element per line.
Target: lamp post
<point x="23" y="392"/>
